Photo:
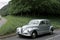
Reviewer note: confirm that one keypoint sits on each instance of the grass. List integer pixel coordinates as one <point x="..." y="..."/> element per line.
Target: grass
<point x="18" y="21"/>
<point x="12" y="23"/>
<point x="56" y="23"/>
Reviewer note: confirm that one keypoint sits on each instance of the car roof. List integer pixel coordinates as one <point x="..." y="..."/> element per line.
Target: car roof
<point x="40" y="20"/>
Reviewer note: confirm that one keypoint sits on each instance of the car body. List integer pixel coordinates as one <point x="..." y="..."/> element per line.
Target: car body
<point x="35" y="27"/>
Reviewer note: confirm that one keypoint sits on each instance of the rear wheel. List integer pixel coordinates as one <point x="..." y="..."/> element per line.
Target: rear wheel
<point x="51" y="31"/>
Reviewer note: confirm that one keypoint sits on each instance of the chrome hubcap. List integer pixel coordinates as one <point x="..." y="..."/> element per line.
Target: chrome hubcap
<point x="34" y="35"/>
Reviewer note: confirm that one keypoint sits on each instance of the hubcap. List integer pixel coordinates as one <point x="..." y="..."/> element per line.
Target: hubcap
<point x="34" y="35"/>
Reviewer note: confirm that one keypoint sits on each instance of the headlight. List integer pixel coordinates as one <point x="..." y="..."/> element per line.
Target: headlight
<point x="26" y="31"/>
<point x="18" y="29"/>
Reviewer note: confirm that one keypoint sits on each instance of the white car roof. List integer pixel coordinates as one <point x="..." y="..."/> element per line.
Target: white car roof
<point x="40" y="20"/>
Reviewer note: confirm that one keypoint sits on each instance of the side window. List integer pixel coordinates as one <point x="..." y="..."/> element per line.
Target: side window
<point x="42" y="22"/>
<point x="47" y="22"/>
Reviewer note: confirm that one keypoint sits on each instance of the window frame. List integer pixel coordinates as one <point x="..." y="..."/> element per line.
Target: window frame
<point x="42" y="23"/>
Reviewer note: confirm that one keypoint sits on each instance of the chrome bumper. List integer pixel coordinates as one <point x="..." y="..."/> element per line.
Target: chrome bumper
<point x="24" y="34"/>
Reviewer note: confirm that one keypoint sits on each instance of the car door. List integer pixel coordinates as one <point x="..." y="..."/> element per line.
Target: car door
<point x="42" y="27"/>
<point x="47" y="26"/>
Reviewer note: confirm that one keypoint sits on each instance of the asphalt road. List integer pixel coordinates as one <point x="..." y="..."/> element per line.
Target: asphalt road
<point x="55" y="36"/>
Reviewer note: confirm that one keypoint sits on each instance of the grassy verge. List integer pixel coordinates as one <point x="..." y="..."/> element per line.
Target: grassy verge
<point x="18" y="21"/>
<point x="12" y="23"/>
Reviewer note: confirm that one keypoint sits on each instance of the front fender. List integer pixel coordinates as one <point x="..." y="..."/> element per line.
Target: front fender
<point x="32" y="29"/>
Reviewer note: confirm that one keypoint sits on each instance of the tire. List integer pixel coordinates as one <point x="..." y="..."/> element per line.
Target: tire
<point x="51" y="31"/>
<point x="19" y="35"/>
<point x="34" y="35"/>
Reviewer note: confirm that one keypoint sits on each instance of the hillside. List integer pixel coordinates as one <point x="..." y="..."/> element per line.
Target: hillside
<point x="4" y="11"/>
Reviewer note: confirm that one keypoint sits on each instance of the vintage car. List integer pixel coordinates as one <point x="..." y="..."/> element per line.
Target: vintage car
<point x="35" y="27"/>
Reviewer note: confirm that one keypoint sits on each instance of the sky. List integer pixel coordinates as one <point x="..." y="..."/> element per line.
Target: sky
<point x="3" y="3"/>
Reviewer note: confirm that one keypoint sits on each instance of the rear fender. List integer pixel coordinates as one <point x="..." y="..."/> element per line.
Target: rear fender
<point x="51" y="27"/>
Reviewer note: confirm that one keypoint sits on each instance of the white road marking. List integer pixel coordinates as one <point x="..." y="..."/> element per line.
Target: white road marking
<point x="53" y="37"/>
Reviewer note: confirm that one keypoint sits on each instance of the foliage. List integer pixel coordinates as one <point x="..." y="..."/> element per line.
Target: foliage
<point x="31" y="7"/>
<point x="34" y="6"/>
<point x="4" y="10"/>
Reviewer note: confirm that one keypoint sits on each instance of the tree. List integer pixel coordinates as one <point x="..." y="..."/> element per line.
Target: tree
<point x="34" y="7"/>
<point x="17" y="6"/>
<point x="4" y="10"/>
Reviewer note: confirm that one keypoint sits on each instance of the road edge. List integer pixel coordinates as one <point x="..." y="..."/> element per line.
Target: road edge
<point x="6" y="36"/>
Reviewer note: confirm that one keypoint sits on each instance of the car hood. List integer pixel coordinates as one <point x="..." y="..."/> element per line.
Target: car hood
<point x="29" y="26"/>
<point x="26" y="27"/>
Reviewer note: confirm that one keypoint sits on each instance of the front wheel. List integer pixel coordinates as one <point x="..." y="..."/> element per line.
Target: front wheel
<point x="34" y="35"/>
<point x="19" y="35"/>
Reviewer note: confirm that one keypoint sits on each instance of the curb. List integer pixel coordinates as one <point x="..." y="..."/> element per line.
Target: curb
<point x="6" y="36"/>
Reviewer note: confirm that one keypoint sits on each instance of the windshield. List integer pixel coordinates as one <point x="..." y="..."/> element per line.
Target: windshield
<point x="34" y="22"/>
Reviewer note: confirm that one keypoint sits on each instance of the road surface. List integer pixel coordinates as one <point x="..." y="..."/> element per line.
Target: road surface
<point x="55" y="36"/>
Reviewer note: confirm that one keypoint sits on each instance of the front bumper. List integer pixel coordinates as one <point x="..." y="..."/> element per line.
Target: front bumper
<point x="23" y="34"/>
<point x="21" y="31"/>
